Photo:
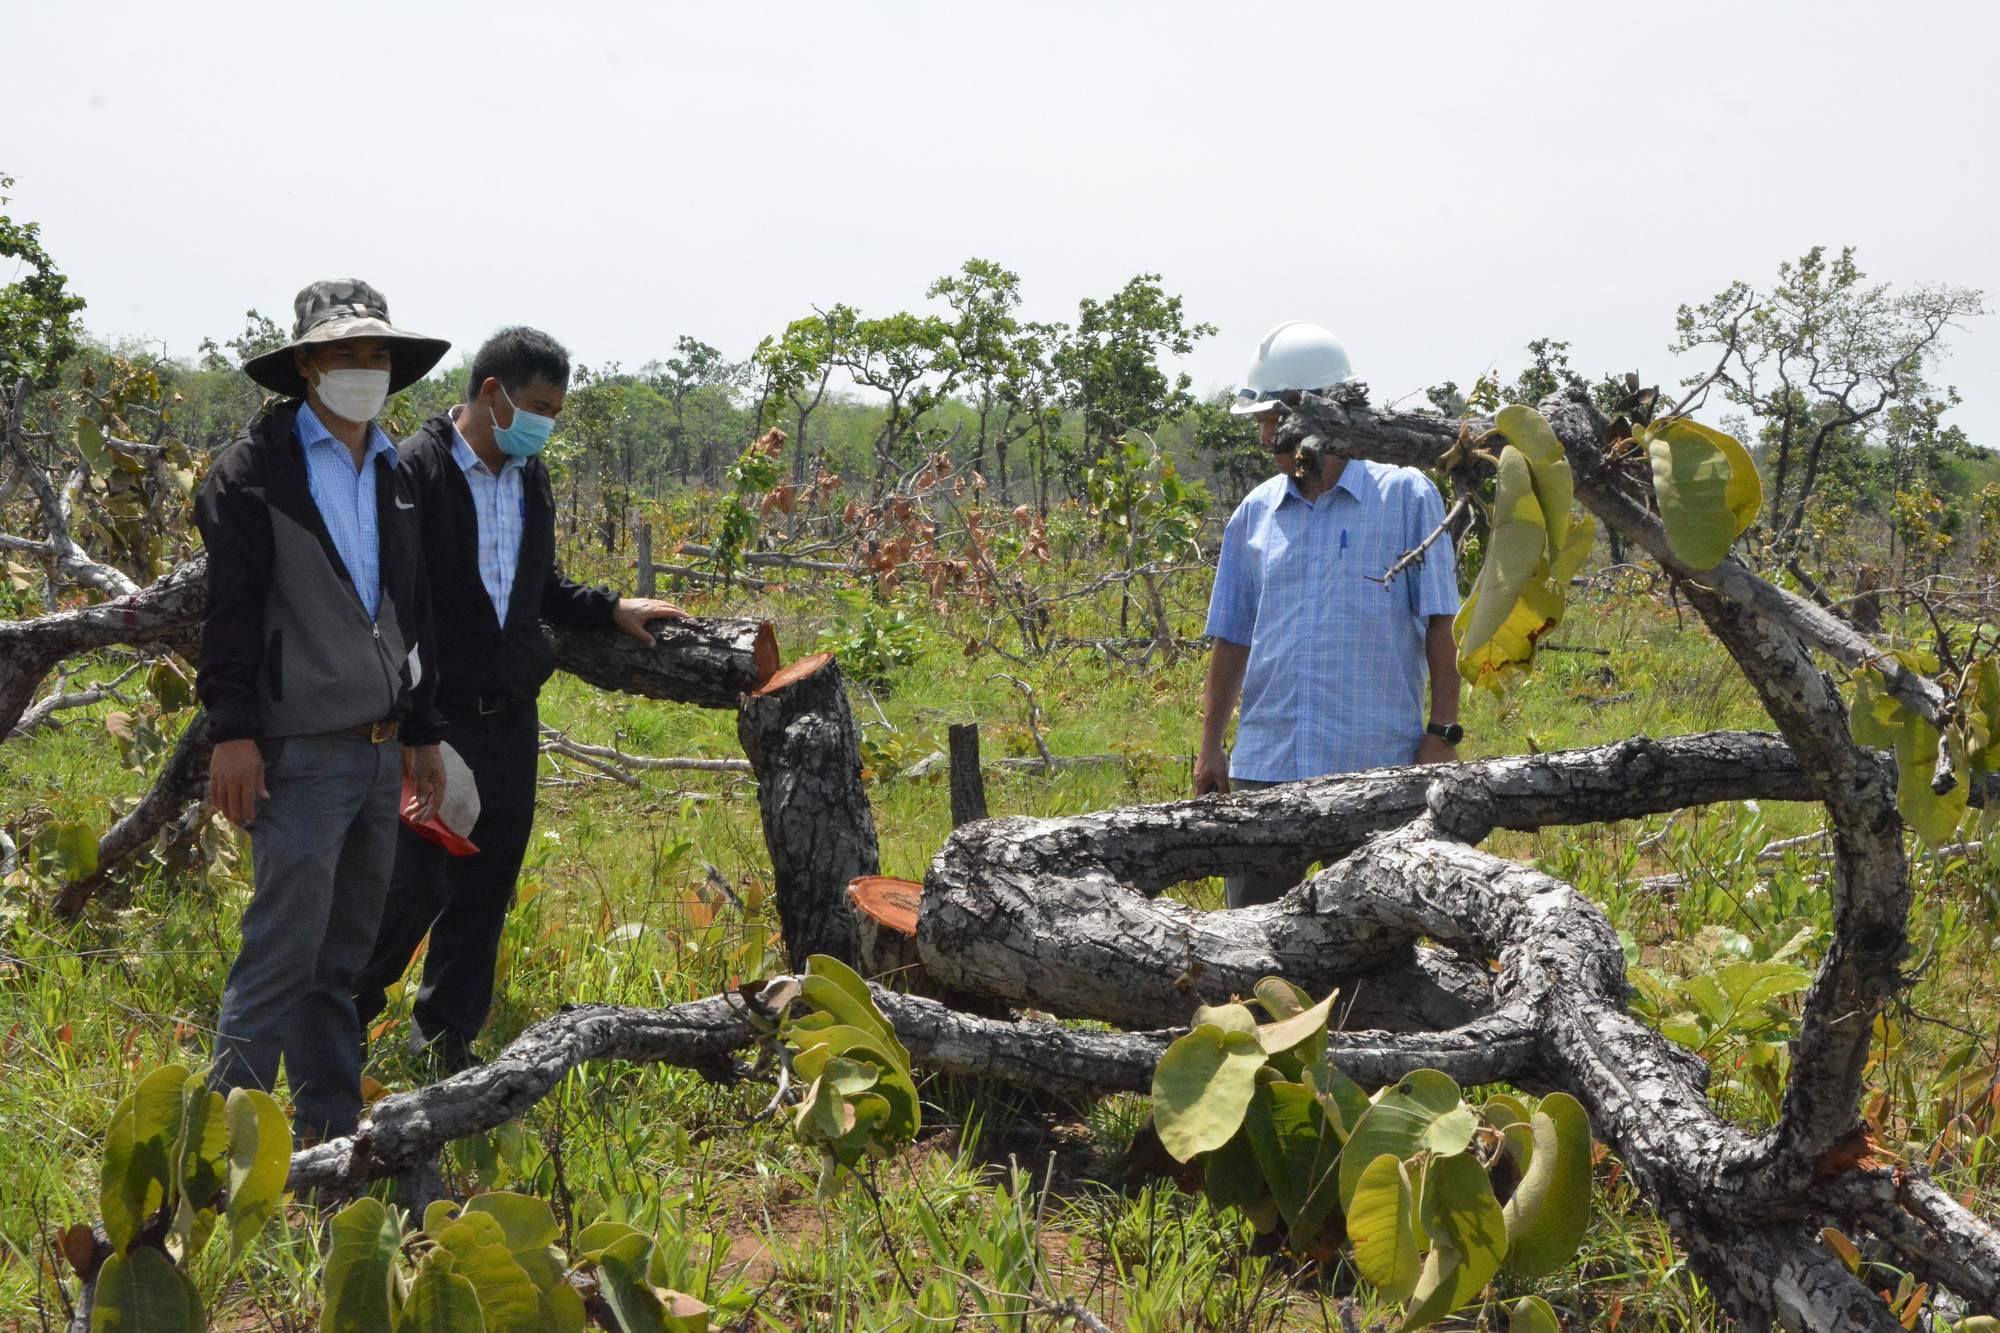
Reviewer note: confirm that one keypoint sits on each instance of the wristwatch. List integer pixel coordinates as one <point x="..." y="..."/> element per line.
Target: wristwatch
<point x="1449" y="732"/>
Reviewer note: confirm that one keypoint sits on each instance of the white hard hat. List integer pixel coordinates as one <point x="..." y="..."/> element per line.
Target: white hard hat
<point x="1295" y="355"/>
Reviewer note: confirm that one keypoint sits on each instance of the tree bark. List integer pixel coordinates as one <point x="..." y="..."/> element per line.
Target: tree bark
<point x="799" y="734"/>
<point x="166" y="611"/>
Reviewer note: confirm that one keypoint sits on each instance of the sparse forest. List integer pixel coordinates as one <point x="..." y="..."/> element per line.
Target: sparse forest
<point x="870" y="968"/>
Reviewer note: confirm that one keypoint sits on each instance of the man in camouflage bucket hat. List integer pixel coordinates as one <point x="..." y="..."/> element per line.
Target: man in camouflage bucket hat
<point x="312" y="661"/>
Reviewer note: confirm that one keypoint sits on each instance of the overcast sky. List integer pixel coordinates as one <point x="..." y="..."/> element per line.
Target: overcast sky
<point x="1438" y="184"/>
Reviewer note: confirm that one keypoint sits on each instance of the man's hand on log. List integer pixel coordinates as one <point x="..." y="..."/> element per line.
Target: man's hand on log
<point x="1431" y="750"/>
<point x="424" y="767"/>
<point x="236" y="781"/>
<point x="633" y="613"/>
<point x="1211" y="773"/>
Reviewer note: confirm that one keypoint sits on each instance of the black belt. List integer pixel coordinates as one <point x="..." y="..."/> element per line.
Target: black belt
<point x="485" y="705"/>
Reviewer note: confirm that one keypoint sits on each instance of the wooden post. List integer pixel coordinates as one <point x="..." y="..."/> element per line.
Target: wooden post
<point x="644" y="556"/>
<point x="968" y="788"/>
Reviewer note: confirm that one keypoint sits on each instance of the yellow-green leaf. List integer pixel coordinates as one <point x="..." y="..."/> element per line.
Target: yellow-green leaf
<point x="1231" y="1176"/>
<point x="1423" y="1110"/>
<point x="1529" y="431"/>
<point x="1513" y="547"/>
<point x="1468" y="1237"/>
<point x="1299" y="1154"/>
<point x="1300" y="1028"/>
<point x="1382" y="1224"/>
<point x="1550" y="1241"/>
<point x="1542" y="1150"/>
<point x="1201" y="1088"/>
<point x="1745" y="493"/>
<point x="440" y="1301"/>
<point x="1691" y="480"/>
<point x="1532" y="1314"/>
<point x="359" y="1268"/>
<point x="1935" y="818"/>
<point x="1573" y="552"/>
<point x="260" y="1158"/>
<point x="142" y="1292"/>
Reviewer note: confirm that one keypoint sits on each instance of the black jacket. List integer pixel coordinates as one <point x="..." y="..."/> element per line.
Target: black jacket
<point x="286" y="646"/>
<point x="478" y="657"/>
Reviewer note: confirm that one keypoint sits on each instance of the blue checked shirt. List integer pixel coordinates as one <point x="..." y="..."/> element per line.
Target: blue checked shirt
<point x="501" y="504"/>
<point x="1337" y="669"/>
<point x="346" y="500"/>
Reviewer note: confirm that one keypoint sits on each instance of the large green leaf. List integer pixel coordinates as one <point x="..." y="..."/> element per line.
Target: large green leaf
<point x="1877" y="718"/>
<point x="199" y="1157"/>
<point x="821" y="1046"/>
<point x="440" y="1301"/>
<point x="1303" y="1033"/>
<point x="621" y="1280"/>
<point x="76" y="849"/>
<point x="1423" y="1111"/>
<point x="142" y="1292"/>
<point x="1542" y="1147"/>
<point x="1745" y="493"/>
<point x="1573" y="552"/>
<point x="478" y="1247"/>
<point x="1228" y="1017"/>
<point x="1382" y="1224"/>
<point x="1505" y="656"/>
<point x="260" y="1159"/>
<point x="1231" y="1175"/>
<point x="1531" y="1314"/>
<point x="1468" y="1238"/>
<point x="137" y="1169"/>
<point x="1201" y="1088"/>
<point x="1529" y="431"/>
<point x="531" y="1230"/>
<point x="1935" y="818"/>
<point x="1300" y="1154"/>
<point x="1550" y="1241"/>
<point x="833" y="987"/>
<point x="360" y="1266"/>
<point x="1513" y="547"/>
<point x="1691" y="479"/>
<point x="527" y="1221"/>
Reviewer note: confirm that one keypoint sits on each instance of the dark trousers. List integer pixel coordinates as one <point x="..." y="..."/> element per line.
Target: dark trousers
<point x="321" y="848"/>
<point x="461" y="901"/>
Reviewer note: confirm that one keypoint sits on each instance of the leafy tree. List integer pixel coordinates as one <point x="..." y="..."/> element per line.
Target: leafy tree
<point x="980" y="345"/>
<point x="36" y="332"/>
<point x="1818" y="360"/>
<point x="901" y="356"/>
<point x="1230" y="445"/>
<point x="1112" y="361"/>
<point x="797" y="366"/>
<point x="695" y="372"/>
<point x="1035" y="388"/>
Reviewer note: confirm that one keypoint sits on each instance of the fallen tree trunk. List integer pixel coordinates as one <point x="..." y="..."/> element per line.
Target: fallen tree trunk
<point x="166" y="611"/>
<point x="799" y="734"/>
<point x="1055" y="912"/>
<point x="707" y="661"/>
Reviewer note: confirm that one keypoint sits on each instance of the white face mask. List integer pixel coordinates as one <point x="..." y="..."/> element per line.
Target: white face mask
<point x="354" y="395"/>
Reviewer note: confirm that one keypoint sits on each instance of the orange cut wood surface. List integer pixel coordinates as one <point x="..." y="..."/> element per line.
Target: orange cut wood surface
<point x="893" y="902"/>
<point x="764" y="653"/>
<point x="798" y="670"/>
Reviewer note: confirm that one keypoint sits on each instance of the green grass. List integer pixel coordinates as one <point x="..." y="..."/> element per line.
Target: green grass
<point x="1004" y="1185"/>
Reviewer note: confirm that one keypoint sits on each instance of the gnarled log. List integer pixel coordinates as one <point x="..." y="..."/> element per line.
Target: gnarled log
<point x="799" y="734"/>
<point x="704" y="660"/>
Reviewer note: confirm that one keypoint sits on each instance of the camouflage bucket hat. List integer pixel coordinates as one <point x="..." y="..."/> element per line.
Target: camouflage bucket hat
<point x="338" y="308"/>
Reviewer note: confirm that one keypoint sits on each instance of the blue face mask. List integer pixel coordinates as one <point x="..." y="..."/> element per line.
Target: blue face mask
<point x="526" y="436"/>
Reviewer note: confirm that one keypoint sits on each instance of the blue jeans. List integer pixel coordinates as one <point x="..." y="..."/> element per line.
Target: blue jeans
<point x="322" y="847"/>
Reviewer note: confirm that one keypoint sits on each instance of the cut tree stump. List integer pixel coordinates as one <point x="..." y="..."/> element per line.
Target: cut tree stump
<point x="799" y="735"/>
<point x="885" y="928"/>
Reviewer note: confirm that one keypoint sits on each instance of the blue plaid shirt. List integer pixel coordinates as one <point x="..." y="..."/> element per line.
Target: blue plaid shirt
<point x="1337" y="669"/>
<point x="501" y="504"/>
<point x="346" y="500"/>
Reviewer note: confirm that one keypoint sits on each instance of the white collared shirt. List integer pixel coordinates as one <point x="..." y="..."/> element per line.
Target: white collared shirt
<point x="501" y="503"/>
